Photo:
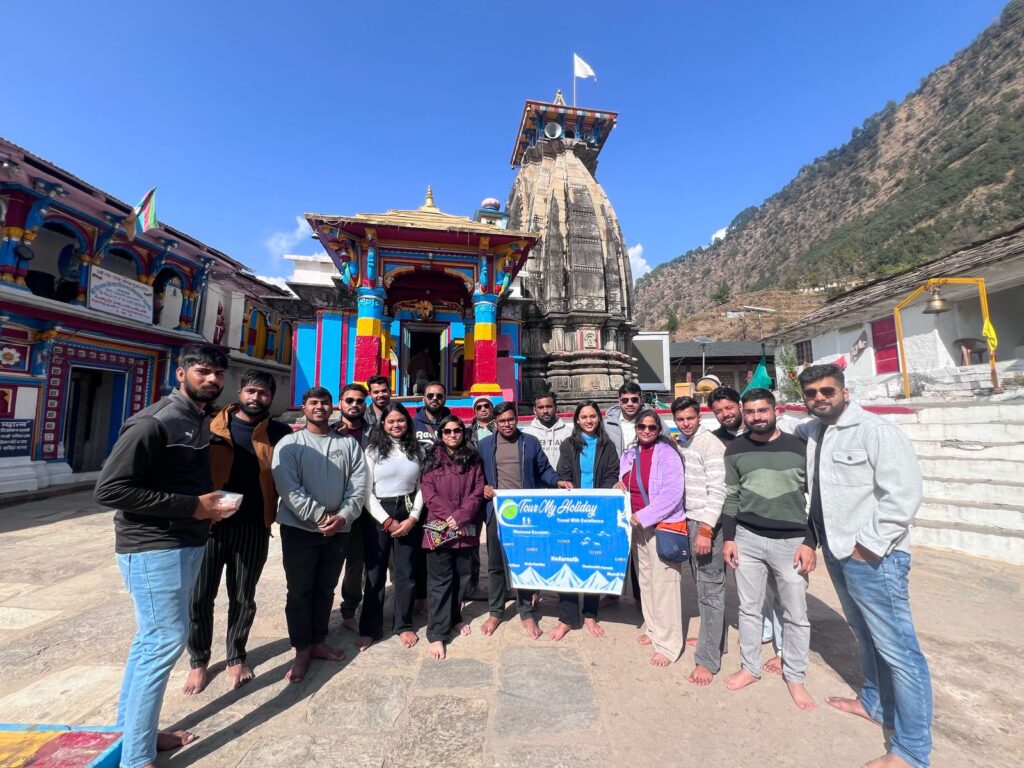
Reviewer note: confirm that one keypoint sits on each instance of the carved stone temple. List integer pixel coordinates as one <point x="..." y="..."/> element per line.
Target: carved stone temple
<point x="577" y="286"/>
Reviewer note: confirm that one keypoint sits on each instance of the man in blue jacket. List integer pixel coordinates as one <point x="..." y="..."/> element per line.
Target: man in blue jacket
<point x="512" y="460"/>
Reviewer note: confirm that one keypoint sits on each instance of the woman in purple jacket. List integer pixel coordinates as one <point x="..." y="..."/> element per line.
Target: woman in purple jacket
<point x="453" y="492"/>
<point x="652" y="474"/>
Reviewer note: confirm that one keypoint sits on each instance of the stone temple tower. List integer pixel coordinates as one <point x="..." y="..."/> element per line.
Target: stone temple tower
<point x="576" y="285"/>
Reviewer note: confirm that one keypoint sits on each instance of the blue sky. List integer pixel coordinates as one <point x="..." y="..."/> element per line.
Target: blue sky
<point x="246" y="114"/>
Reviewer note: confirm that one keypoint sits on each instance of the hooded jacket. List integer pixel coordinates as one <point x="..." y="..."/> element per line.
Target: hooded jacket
<point x="424" y="427"/>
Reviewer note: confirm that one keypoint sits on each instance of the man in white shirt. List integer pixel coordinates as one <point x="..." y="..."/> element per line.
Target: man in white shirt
<point x="547" y="427"/>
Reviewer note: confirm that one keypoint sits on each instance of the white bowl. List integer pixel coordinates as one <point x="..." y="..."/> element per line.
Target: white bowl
<point x="230" y="502"/>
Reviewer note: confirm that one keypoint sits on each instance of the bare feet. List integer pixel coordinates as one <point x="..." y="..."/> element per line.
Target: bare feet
<point x="594" y="627"/>
<point x="887" y="761"/>
<point x="660" y="660"/>
<point x="299" y="667"/>
<point x="740" y="679"/>
<point x="852" y="706"/>
<point x="490" y="625"/>
<point x="464" y="629"/>
<point x="420" y="607"/>
<point x="801" y="697"/>
<point x="532" y="628"/>
<point x="561" y="630"/>
<point x="644" y="640"/>
<point x="701" y="675"/>
<point x="240" y="674"/>
<point x="195" y="682"/>
<point x="168" y="740"/>
<point x="692" y="642"/>
<point x="325" y="652"/>
<point x="436" y="650"/>
<point x="351" y="623"/>
<point x="365" y="642"/>
<point x="409" y="638"/>
<point x="773" y="665"/>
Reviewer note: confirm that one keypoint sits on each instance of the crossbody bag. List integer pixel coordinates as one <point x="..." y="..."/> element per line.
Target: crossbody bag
<point x="671" y="539"/>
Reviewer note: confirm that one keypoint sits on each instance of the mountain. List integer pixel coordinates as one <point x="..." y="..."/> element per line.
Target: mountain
<point x="918" y="179"/>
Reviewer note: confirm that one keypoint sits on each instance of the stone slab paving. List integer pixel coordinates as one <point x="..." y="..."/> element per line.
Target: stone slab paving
<point x="66" y="623"/>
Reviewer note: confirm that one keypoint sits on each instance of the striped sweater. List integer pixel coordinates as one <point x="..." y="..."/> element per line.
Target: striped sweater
<point x="766" y="488"/>
<point x="705" y="476"/>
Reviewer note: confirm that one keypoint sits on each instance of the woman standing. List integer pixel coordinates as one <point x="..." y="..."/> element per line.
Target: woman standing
<point x="588" y="459"/>
<point x="393" y="458"/>
<point x="453" y="491"/>
<point x="652" y="473"/>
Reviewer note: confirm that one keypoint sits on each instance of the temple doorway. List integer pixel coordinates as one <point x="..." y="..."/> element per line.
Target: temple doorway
<point x="96" y="400"/>
<point x="422" y="357"/>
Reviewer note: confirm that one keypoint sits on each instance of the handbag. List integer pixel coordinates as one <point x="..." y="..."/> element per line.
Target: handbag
<point x="670" y="539"/>
<point x="439" y="534"/>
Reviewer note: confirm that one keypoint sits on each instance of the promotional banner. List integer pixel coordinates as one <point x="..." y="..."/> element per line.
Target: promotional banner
<point x="565" y="541"/>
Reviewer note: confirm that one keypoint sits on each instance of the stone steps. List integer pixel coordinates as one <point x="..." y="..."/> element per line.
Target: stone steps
<point x="999" y="433"/>
<point x="968" y="491"/>
<point x="971" y="468"/>
<point x="991" y="543"/>
<point x="969" y="449"/>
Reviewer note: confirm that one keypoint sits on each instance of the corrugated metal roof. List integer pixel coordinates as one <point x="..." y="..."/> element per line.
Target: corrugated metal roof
<point x="718" y="349"/>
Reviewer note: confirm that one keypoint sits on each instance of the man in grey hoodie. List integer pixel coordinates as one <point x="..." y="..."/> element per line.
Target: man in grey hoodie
<point x="321" y="480"/>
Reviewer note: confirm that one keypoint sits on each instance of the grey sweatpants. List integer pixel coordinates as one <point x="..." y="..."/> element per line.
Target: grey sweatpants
<point x="759" y="556"/>
<point x="709" y="574"/>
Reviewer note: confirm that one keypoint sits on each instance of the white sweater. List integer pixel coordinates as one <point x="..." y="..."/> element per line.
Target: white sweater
<point x="397" y="475"/>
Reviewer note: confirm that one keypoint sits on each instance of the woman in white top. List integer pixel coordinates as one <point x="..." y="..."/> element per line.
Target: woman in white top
<point x="393" y="463"/>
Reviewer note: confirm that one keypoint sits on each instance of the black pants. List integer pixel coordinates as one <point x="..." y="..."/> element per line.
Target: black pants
<point x="352" y="583"/>
<point x="569" y="607"/>
<point x="378" y="548"/>
<point x="312" y="566"/>
<point x="448" y="573"/>
<point x="497" y="578"/>
<point x="241" y="549"/>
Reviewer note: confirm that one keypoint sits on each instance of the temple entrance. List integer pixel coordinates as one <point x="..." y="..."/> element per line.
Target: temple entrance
<point x="422" y="357"/>
<point x="96" y="400"/>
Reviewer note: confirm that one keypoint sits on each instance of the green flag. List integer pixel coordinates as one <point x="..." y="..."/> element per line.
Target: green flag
<point x="760" y="378"/>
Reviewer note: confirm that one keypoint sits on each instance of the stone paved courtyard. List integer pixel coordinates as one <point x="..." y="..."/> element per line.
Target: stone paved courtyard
<point x="66" y="623"/>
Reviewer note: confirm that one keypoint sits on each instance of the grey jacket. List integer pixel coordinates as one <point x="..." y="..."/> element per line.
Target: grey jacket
<point x="611" y="425"/>
<point x="870" y="482"/>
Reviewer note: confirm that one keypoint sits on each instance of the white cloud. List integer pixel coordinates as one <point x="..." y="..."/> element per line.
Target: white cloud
<point x="637" y="263"/>
<point x="278" y="281"/>
<point x="280" y="243"/>
<point x="719" y="235"/>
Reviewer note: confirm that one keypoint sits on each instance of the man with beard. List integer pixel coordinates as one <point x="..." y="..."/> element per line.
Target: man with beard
<point x="380" y="395"/>
<point x="724" y="403"/>
<point x="158" y="479"/>
<point x="433" y="410"/>
<point x="242" y="443"/>
<point x="354" y="422"/>
<point x="865" y="491"/>
<point x="321" y="480"/>
<point x="766" y="531"/>
<point x="619" y="421"/>
<point x="547" y="427"/>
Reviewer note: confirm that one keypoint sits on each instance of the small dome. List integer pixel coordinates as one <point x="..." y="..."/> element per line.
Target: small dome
<point x="491" y="204"/>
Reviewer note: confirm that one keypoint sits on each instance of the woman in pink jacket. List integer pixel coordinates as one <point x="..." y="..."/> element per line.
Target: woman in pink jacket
<point x="453" y="493"/>
<point x="652" y="473"/>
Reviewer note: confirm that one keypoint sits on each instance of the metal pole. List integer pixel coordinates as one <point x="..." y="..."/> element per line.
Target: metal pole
<point x="703" y="368"/>
<point x="904" y="363"/>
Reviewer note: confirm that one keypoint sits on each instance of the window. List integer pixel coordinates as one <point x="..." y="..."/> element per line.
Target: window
<point x="804" y="354"/>
<point x="883" y="338"/>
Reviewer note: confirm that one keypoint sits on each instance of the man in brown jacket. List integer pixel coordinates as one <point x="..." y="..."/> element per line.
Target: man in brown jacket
<point x="242" y="439"/>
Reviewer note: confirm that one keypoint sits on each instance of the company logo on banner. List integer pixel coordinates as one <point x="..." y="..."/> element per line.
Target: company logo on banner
<point x="565" y="541"/>
<point x="118" y="295"/>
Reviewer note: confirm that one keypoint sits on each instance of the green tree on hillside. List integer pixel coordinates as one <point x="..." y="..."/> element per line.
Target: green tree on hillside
<point x="722" y="293"/>
<point x="671" y="321"/>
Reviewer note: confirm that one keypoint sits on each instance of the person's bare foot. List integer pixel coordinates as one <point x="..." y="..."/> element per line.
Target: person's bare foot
<point x="660" y="660"/>
<point x="326" y="652"/>
<point x="409" y="638"/>
<point x="420" y="607"/>
<point x="195" y="682"/>
<point x="365" y="642"/>
<point x="773" y="665"/>
<point x="801" y="697"/>
<point x="644" y="639"/>
<point x="534" y="599"/>
<point x="532" y="627"/>
<point x="299" y="667"/>
<point x="436" y="650"/>
<point x="351" y="623"/>
<point x="240" y="674"/>
<point x="701" y="675"/>
<point x="741" y="679"/>
<point x="561" y="630"/>
<point x="168" y="740"/>
<point x="692" y="642"/>
<point x="851" y="706"/>
<point x="490" y="625"/>
<point x="464" y="629"/>
<point x="594" y="627"/>
<point x="887" y="761"/>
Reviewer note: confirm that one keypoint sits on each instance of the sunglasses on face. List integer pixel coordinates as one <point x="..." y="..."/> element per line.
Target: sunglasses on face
<point x="354" y="400"/>
<point x="828" y="392"/>
<point x="452" y="431"/>
<point x="483" y="407"/>
<point x="646" y="427"/>
<point x="625" y="400"/>
<point x="433" y="396"/>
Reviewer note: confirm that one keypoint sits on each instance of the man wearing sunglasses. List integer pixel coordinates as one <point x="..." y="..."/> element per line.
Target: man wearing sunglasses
<point x="354" y="424"/>
<point x="865" y="491"/>
<point x="482" y="424"/>
<point x="619" y="419"/>
<point x="433" y="410"/>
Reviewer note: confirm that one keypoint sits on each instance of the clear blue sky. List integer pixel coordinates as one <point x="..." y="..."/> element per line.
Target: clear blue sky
<point x="247" y="114"/>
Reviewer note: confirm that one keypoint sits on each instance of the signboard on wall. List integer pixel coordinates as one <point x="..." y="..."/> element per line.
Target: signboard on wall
<point x="15" y="438"/>
<point x="652" y="365"/>
<point x="119" y="295"/>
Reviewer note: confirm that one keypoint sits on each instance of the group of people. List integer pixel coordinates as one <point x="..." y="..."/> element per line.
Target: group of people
<point x="379" y="489"/>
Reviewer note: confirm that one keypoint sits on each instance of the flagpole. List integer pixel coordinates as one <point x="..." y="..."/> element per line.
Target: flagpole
<point x="574" y="81"/>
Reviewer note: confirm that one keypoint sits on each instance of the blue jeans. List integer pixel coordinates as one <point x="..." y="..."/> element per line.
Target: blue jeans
<point x="897" y="688"/>
<point x="160" y="583"/>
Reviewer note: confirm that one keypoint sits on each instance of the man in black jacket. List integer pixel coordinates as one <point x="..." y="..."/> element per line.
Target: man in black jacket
<point x="158" y="479"/>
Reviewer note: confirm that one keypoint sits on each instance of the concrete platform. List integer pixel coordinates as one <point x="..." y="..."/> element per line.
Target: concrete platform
<point x="66" y="623"/>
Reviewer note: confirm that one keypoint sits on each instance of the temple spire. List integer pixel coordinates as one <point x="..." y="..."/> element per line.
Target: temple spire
<point x="559" y="98"/>
<point x="428" y="203"/>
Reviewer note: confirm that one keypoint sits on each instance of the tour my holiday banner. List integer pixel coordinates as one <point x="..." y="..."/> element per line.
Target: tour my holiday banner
<point x="565" y="541"/>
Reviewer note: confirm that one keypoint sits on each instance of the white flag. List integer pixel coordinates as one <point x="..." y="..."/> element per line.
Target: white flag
<point x="581" y="68"/>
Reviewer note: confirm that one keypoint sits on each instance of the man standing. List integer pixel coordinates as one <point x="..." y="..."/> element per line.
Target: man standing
<point x="865" y="491"/>
<point x="354" y="423"/>
<point x="724" y="403"/>
<point x="767" y="532"/>
<point x="704" y="459"/>
<point x="321" y="480"/>
<point x="380" y="396"/>
<point x="619" y="421"/>
<point x="242" y="443"/>
<point x="157" y="477"/>
<point x="547" y="427"/>
<point x="512" y="461"/>
<point x="433" y="410"/>
<point x="482" y="424"/>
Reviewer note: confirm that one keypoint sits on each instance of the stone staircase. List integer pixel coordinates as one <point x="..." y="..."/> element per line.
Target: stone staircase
<point x="972" y="460"/>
